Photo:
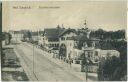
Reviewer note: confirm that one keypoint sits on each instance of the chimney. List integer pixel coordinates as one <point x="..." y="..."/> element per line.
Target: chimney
<point x="62" y="26"/>
<point x="58" y="26"/>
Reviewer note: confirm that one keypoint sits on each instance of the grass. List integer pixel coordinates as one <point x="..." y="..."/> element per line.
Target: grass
<point x="12" y="62"/>
<point x="14" y="76"/>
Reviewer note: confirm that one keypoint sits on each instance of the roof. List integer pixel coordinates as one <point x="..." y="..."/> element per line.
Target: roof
<point x="67" y="31"/>
<point x="81" y="37"/>
<point x="41" y="32"/>
<point x="89" y="49"/>
<point x="49" y="33"/>
<point x="34" y="33"/>
<point x="17" y="32"/>
<point x="53" y="33"/>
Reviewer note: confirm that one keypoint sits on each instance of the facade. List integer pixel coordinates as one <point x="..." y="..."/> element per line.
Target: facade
<point x="67" y="43"/>
<point x="17" y="36"/>
<point x="109" y="53"/>
<point x="6" y="39"/>
<point x="41" y="41"/>
<point x="50" y="38"/>
<point x="35" y="36"/>
<point x="95" y="54"/>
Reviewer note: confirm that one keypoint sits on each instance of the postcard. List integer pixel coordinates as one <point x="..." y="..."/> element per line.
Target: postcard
<point x="58" y="41"/>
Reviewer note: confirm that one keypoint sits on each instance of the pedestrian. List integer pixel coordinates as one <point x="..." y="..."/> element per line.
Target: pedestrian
<point x="69" y="59"/>
<point x="70" y="62"/>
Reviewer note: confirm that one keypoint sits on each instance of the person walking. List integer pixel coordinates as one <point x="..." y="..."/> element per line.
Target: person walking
<point x="69" y="59"/>
<point x="87" y="68"/>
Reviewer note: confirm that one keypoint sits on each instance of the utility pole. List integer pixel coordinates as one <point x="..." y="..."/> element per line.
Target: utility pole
<point x="86" y="70"/>
<point x="34" y="63"/>
<point x="33" y="59"/>
<point x="86" y="67"/>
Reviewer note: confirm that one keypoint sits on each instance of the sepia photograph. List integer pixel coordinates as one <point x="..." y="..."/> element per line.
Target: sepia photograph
<point x="58" y="41"/>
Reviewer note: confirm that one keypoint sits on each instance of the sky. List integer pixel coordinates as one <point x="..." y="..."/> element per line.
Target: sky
<point x="108" y="15"/>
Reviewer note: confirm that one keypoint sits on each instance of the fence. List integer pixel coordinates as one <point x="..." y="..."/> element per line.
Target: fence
<point x="91" y="68"/>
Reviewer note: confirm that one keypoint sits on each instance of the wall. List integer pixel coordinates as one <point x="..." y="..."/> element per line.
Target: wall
<point x="69" y="44"/>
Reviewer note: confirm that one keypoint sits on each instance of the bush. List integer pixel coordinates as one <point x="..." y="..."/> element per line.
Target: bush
<point x="111" y="69"/>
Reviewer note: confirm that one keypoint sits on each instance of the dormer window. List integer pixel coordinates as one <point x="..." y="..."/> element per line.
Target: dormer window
<point x="62" y="38"/>
<point x="96" y="53"/>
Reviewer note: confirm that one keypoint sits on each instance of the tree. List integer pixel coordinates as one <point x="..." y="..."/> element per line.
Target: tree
<point x="104" y="35"/>
<point x="107" y="68"/>
<point x="27" y="35"/>
<point x="7" y="37"/>
<point x="10" y="37"/>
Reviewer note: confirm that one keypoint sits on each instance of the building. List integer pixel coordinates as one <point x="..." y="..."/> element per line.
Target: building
<point x="6" y="38"/>
<point x="108" y="53"/>
<point x="96" y="54"/>
<point x="72" y="41"/>
<point x="35" y="36"/>
<point x="41" y="40"/>
<point x="77" y="56"/>
<point x="17" y="36"/>
<point x="67" y="43"/>
<point x="50" y="38"/>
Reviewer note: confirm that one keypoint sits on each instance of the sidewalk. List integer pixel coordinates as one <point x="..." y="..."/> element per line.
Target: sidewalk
<point x="23" y="64"/>
<point x="75" y="69"/>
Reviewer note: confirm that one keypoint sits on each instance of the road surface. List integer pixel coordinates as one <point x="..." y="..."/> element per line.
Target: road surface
<point x="40" y="67"/>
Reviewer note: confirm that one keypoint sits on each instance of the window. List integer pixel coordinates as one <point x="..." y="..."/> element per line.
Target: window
<point x="96" y="60"/>
<point x="96" y="53"/>
<point x="57" y="45"/>
<point x="70" y="44"/>
<point x="62" y="38"/>
<point x="89" y="56"/>
<point x="52" y="45"/>
<point x="69" y="38"/>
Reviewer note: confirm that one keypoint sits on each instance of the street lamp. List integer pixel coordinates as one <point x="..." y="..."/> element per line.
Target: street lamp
<point x="33" y="59"/>
<point x="34" y="64"/>
<point x="85" y="64"/>
<point x="86" y="70"/>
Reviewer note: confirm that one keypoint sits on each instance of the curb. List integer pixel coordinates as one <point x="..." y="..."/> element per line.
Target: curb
<point x="24" y="66"/>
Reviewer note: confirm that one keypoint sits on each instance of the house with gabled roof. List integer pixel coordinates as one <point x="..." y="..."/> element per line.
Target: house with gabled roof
<point x="66" y="39"/>
<point x="72" y="43"/>
<point x="50" y="37"/>
<point x="16" y="35"/>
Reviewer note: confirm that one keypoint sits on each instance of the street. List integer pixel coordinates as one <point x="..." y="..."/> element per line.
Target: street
<point x="40" y="68"/>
